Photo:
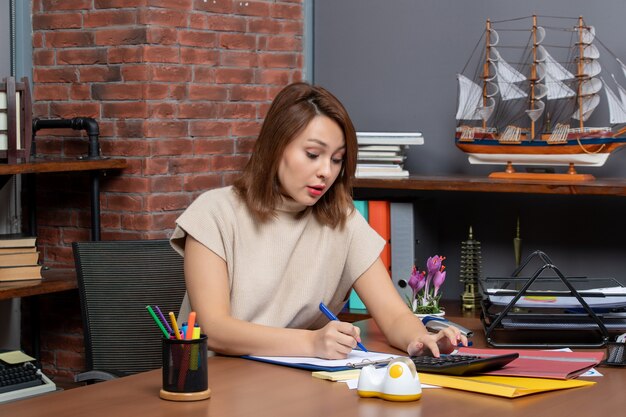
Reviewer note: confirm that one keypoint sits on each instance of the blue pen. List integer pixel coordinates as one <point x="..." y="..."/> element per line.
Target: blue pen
<point x="331" y="316"/>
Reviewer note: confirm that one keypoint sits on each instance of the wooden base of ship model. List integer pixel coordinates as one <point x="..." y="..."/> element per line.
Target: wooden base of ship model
<point x="571" y="175"/>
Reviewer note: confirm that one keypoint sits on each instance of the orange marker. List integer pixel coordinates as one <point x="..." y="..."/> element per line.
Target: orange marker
<point x="191" y="322"/>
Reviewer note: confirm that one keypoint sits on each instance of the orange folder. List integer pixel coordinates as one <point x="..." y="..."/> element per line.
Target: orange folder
<point x="379" y="219"/>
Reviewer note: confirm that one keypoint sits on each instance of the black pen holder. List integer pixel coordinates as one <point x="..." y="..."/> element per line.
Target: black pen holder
<point x="185" y="370"/>
<point x="615" y="354"/>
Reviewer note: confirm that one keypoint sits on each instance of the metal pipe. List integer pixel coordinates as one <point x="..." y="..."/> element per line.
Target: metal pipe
<point x="87" y="124"/>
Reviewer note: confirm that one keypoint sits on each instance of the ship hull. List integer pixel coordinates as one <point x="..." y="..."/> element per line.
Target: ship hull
<point x="582" y="152"/>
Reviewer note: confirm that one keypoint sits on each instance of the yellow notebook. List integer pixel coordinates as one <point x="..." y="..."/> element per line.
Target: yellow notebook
<point x="502" y="386"/>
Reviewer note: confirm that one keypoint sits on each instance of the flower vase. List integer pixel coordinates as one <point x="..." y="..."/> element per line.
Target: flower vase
<point x="421" y="316"/>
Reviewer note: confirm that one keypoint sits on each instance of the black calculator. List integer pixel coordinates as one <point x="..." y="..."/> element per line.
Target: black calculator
<point x="461" y="365"/>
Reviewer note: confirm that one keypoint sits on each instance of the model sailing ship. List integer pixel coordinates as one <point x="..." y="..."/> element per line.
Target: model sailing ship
<point x="534" y="112"/>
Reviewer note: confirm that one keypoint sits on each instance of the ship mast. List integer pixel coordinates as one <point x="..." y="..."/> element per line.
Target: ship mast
<point x="580" y="74"/>
<point x="486" y="68"/>
<point x="533" y="76"/>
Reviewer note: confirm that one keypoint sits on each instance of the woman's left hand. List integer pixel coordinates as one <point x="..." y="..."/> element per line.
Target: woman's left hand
<point x="444" y="341"/>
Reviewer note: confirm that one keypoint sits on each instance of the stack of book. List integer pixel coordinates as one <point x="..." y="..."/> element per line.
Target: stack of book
<point x="18" y="258"/>
<point x="382" y="154"/>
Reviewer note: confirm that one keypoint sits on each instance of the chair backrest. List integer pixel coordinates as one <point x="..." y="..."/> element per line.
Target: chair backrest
<point x="116" y="280"/>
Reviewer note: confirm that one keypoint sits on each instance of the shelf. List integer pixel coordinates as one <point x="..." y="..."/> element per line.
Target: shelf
<point x="609" y="187"/>
<point x="54" y="280"/>
<point x="40" y="165"/>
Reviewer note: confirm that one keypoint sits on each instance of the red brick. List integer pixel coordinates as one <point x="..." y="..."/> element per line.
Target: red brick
<point x="156" y="166"/>
<point x="207" y="92"/>
<point x="139" y="72"/>
<point x="122" y="147"/>
<point x="81" y="92"/>
<point x="248" y="93"/>
<point x="237" y="41"/>
<point x="167" y="202"/>
<point x="114" y="4"/>
<point x="55" y="5"/>
<point x="108" y="18"/>
<point x="163" y="17"/>
<point x="100" y="73"/>
<point x="294" y="27"/>
<point x="109" y="91"/>
<point x="161" y="54"/>
<point x="125" y="110"/>
<point x="229" y="162"/>
<point x="226" y="23"/>
<point x="43" y="58"/>
<point x="209" y="128"/>
<point x="287" y="11"/>
<point x="165" y="129"/>
<point x="51" y="92"/>
<point x="284" y="43"/>
<point x="245" y="145"/>
<point x="162" y="35"/>
<point x="234" y="76"/>
<point x="278" y="60"/>
<point x="200" y="38"/>
<point x="202" y="182"/>
<point x="69" y="110"/>
<point x="75" y="235"/>
<point x="69" y="39"/>
<point x="266" y="25"/>
<point x="155" y="91"/>
<point x="252" y="8"/>
<point x="198" y="56"/>
<point x="54" y="75"/>
<point x="125" y="54"/>
<point x="247" y="128"/>
<point x="162" y="111"/>
<point x="237" y="111"/>
<point x="123" y="202"/>
<point x="203" y="74"/>
<point x="166" y="183"/>
<point x="49" y="21"/>
<point x="128" y="184"/>
<point x="190" y="165"/>
<point x="171" y="73"/>
<point x="110" y="221"/>
<point x="273" y="76"/>
<point x="130" y="128"/>
<point x="244" y="59"/>
<point x="223" y="7"/>
<point x="172" y="4"/>
<point x="197" y="110"/>
<point x="134" y="36"/>
<point x="213" y="146"/>
<point x="82" y="56"/>
<point x="174" y="147"/>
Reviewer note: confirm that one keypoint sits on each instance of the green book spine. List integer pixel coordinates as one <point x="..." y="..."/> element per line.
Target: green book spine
<point x="354" y="301"/>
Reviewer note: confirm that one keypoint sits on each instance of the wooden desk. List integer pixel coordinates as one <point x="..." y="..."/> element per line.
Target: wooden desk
<point x="246" y="388"/>
<point x="54" y="280"/>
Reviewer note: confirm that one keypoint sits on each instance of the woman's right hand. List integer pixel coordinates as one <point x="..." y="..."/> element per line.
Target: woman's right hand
<point x="335" y="340"/>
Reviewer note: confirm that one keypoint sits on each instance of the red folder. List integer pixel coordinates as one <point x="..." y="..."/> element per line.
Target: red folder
<point x="542" y="363"/>
<point x="379" y="219"/>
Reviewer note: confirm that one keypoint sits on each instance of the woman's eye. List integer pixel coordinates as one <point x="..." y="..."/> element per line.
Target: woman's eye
<point x="311" y="155"/>
<point x="337" y="161"/>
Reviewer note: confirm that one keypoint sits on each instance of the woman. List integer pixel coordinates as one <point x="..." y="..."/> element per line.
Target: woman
<point x="261" y="255"/>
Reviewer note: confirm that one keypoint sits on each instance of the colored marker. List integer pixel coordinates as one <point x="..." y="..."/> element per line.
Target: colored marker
<point x="331" y="316"/>
<point x="158" y="322"/>
<point x="175" y="326"/>
<point x="191" y="321"/>
<point x="167" y="326"/>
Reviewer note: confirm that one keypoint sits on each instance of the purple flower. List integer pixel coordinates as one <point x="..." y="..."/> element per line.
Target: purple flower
<point x="438" y="279"/>
<point x="417" y="280"/>
<point x="433" y="264"/>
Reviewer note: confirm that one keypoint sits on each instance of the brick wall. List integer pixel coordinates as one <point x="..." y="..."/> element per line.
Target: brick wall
<point x="179" y="88"/>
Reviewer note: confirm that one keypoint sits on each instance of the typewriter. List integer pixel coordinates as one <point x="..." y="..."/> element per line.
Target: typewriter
<point x="20" y="378"/>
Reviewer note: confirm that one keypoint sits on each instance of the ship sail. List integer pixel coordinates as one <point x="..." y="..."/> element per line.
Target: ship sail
<point x="506" y="77"/>
<point x="552" y="73"/>
<point x="470" y="101"/>
<point x="589" y="97"/>
<point x="617" y="114"/>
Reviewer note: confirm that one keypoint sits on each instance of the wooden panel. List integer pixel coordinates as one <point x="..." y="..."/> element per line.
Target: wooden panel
<point x="54" y="280"/>
<point x="61" y="165"/>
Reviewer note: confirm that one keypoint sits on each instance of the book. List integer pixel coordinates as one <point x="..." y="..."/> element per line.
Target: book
<point x="389" y="138"/>
<point x="4" y="251"/>
<point x="381" y="173"/>
<point x="18" y="273"/>
<point x="402" y="244"/>
<point x="379" y="220"/>
<point x="17" y="240"/>
<point x="355" y="360"/>
<point x="19" y="258"/>
<point x="355" y="301"/>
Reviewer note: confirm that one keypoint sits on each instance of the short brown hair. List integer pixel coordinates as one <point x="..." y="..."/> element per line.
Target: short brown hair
<point x="291" y="111"/>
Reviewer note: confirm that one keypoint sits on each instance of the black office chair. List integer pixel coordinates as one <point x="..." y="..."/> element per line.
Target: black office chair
<point x="116" y="280"/>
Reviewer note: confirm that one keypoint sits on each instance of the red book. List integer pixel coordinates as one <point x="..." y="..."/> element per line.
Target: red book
<point x="379" y="219"/>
